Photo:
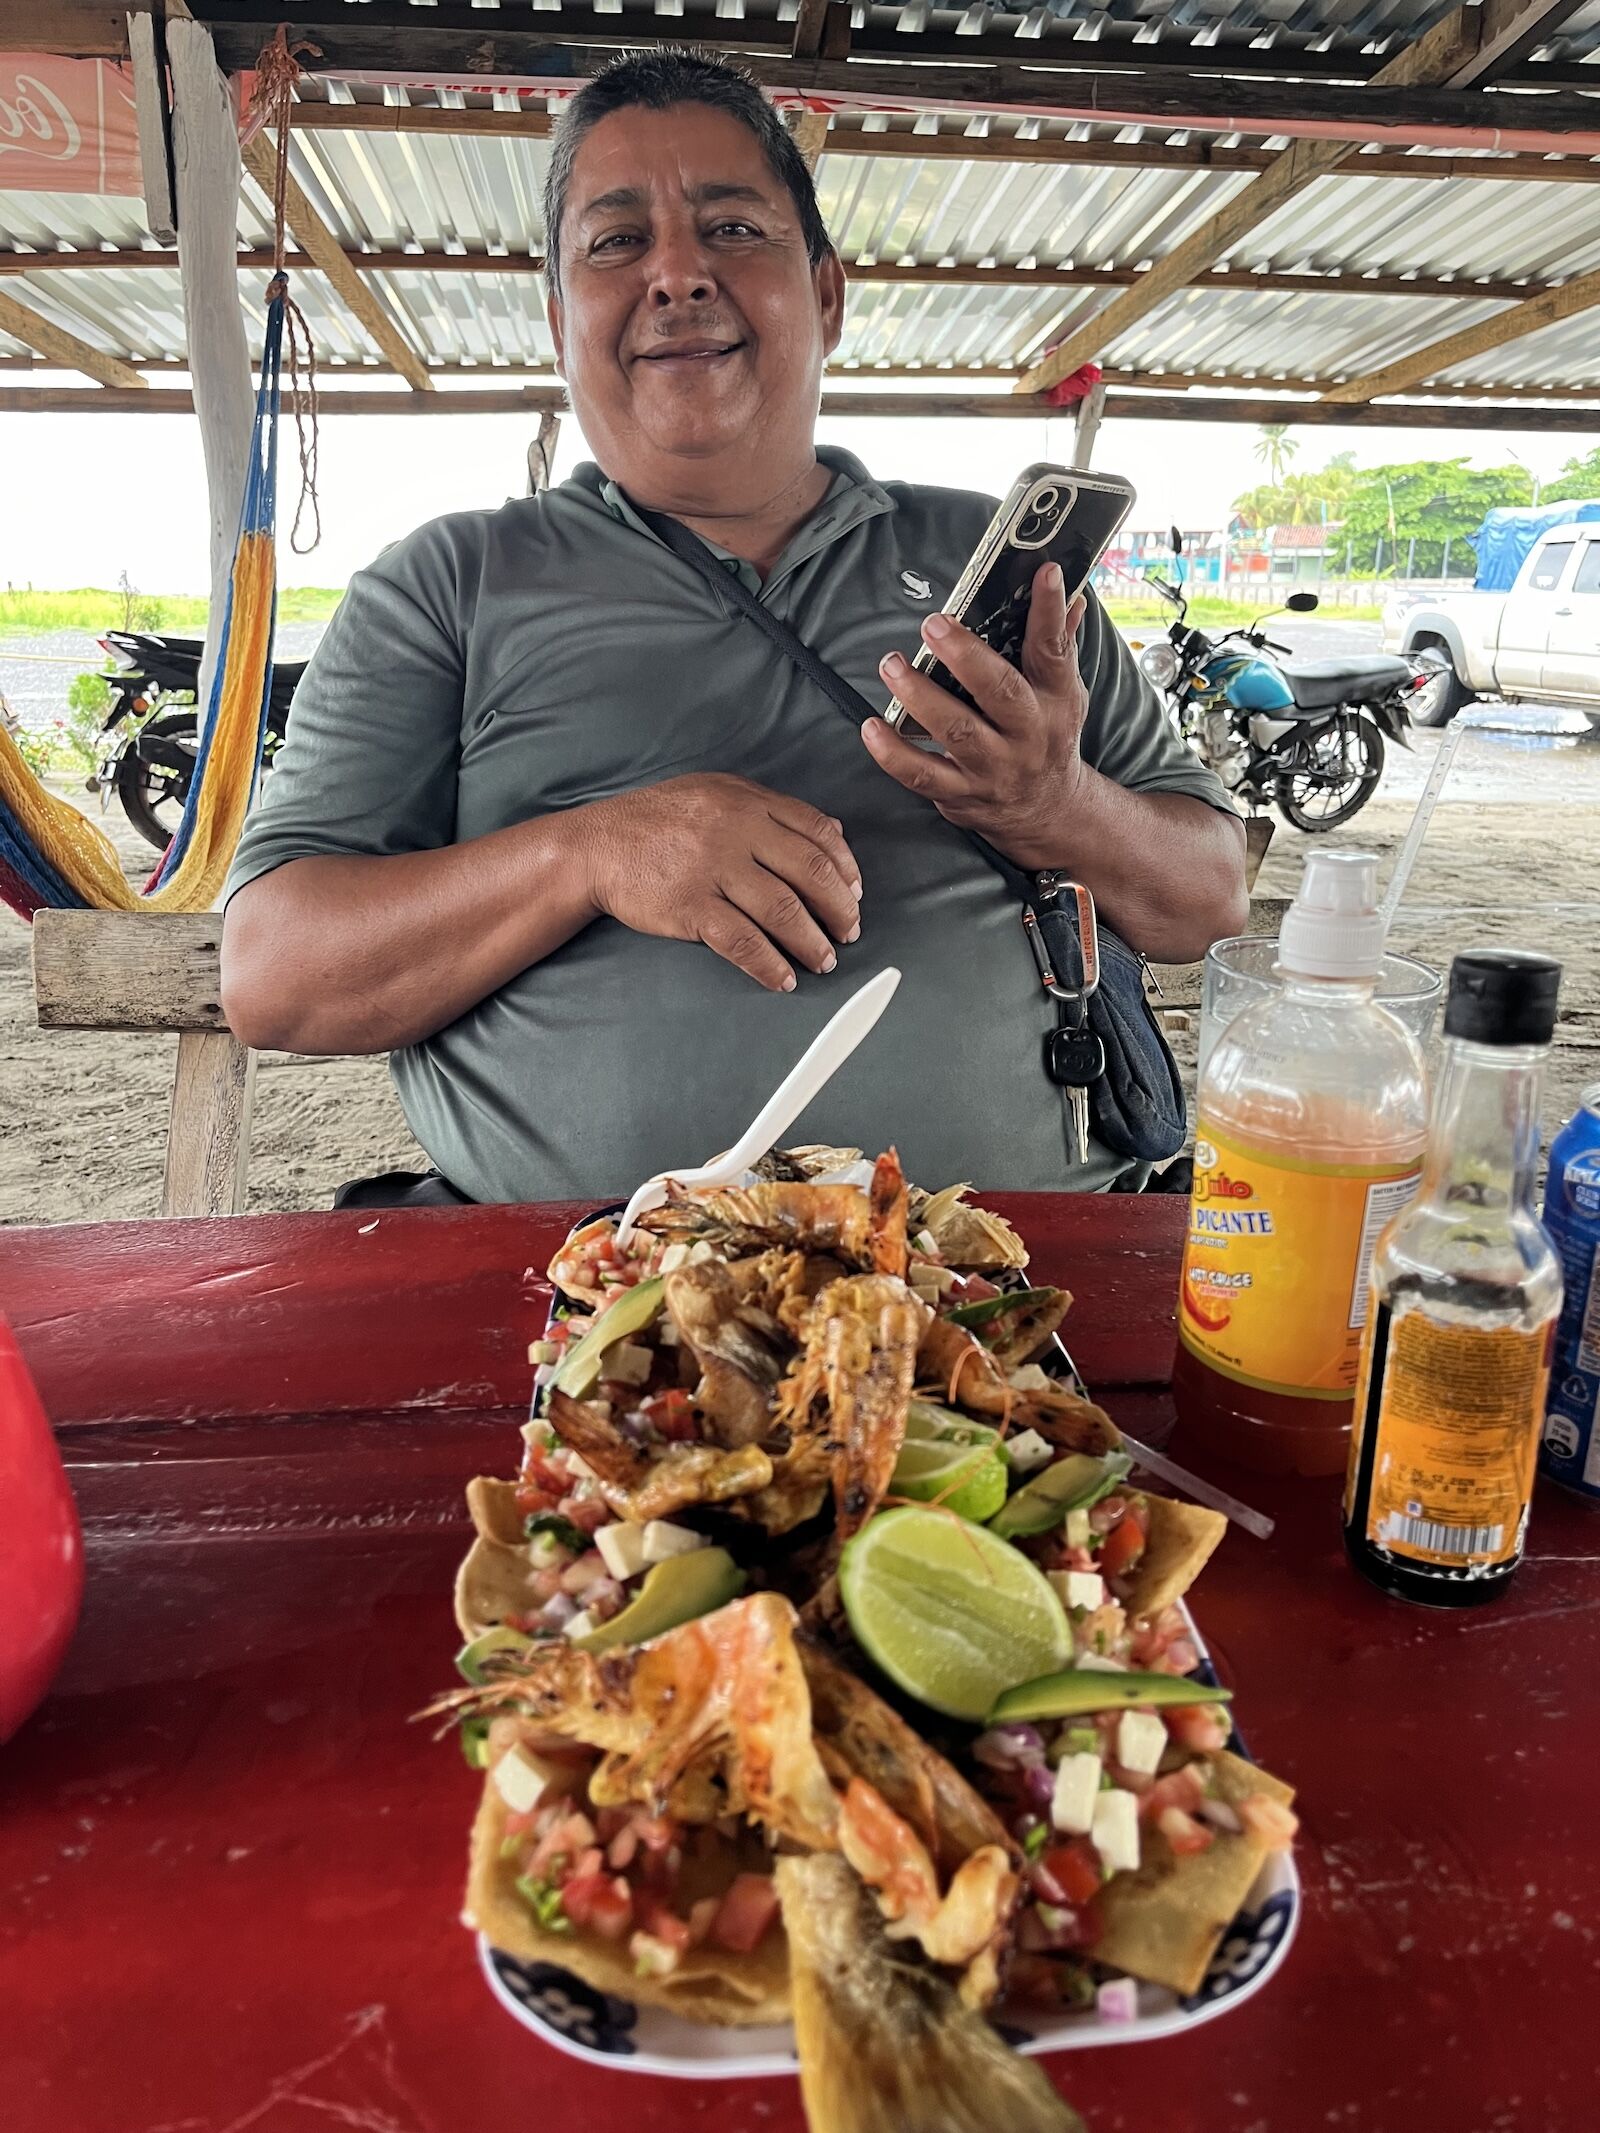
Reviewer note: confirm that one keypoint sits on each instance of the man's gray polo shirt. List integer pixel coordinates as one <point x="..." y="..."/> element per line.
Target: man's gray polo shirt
<point x="496" y="666"/>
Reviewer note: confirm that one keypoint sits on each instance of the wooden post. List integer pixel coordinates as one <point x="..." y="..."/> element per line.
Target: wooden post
<point x="147" y="44"/>
<point x="208" y="1134"/>
<point x="205" y="156"/>
<point x="1086" y="427"/>
<point x="542" y="454"/>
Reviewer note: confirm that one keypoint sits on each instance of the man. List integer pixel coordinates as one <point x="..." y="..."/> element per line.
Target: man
<point x="562" y="831"/>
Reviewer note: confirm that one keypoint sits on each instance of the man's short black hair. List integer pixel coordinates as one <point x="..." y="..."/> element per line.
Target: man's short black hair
<point x="658" y="79"/>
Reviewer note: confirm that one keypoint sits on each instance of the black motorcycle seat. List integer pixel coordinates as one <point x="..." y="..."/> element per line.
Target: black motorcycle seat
<point x="1321" y="684"/>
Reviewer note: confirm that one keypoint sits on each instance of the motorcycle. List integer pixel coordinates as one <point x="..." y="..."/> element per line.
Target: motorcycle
<point x="1307" y="734"/>
<point x="147" y="755"/>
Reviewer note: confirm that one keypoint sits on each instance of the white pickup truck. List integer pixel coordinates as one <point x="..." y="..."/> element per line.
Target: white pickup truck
<point x="1539" y="642"/>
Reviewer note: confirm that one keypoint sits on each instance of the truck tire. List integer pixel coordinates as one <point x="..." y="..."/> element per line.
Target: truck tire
<point x="1438" y="703"/>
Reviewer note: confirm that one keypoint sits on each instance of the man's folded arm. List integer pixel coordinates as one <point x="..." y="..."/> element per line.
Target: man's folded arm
<point x="354" y="922"/>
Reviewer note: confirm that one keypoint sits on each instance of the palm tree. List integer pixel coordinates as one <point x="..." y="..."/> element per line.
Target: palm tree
<point x="1275" y="448"/>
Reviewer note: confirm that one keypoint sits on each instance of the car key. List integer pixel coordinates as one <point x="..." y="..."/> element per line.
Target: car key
<point x="1075" y="1058"/>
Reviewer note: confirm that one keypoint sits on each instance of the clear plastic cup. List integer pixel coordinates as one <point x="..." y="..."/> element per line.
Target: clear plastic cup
<point x="1239" y="972"/>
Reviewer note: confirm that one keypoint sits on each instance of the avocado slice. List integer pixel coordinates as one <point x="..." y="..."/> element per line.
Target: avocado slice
<point x="989" y="1308"/>
<point x="1080" y="1690"/>
<point x="632" y="1311"/>
<point x="475" y="1742"/>
<point x="1070" y="1485"/>
<point x="673" y="1592"/>
<point x="470" y="1658"/>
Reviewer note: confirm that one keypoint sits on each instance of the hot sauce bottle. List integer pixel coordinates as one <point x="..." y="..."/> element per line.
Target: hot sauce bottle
<point x="1466" y="1290"/>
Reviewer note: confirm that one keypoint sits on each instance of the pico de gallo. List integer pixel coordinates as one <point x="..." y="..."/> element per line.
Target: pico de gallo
<point x="618" y="1873"/>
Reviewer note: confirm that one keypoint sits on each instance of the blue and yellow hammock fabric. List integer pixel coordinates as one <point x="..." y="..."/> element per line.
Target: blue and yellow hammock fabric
<point x="51" y="855"/>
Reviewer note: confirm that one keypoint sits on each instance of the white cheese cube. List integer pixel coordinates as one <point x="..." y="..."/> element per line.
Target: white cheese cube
<point x="1072" y="1804"/>
<point x="626" y="1363"/>
<point x="1115" y="1833"/>
<point x="1097" y="1663"/>
<point x="1027" y="1451"/>
<point x="1082" y="1590"/>
<point x="1141" y="1741"/>
<point x="700" y="1253"/>
<point x="675" y="1256"/>
<point x="622" y="1546"/>
<point x="662" y="1538"/>
<point x="580" y="1624"/>
<point x="1077" y="1529"/>
<point x="521" y="1780"/>
<point x="1028" y="1377"/>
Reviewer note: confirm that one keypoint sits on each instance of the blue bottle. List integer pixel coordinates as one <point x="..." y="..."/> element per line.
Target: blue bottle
<point x="1570" y="1450"/>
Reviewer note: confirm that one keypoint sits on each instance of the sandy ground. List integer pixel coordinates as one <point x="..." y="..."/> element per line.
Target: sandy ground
<point x="1511" y="859"/>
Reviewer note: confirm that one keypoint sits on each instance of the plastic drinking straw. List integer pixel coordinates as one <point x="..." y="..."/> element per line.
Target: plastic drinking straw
<point x="1419" y="824"/>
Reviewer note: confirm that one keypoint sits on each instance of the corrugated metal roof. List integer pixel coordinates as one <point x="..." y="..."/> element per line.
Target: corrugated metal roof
<point x="429" y="193"/>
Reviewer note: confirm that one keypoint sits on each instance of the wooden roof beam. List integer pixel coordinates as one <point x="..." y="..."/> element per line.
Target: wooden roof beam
<point x="1146" y="407"/>
<point x="1448" y="54"/>
<point x="324" y="250"/>
<point x="1202" y="154"/>
<point x="64" y="350"/>
<point x="1249" y="279"/>
<point x="1582" y="293"/>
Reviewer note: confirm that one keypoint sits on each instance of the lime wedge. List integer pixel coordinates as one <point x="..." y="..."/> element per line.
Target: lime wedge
<point x="944" y="1426"/>
<point x="967" y="1479"/>
<point x="949" y="1612"/>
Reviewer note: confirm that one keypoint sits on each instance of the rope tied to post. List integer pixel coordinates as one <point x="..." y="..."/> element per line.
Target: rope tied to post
<point x="272" y="104"/>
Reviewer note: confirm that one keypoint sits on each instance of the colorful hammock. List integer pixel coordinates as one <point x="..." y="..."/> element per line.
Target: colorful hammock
<point x="51" y="855"/>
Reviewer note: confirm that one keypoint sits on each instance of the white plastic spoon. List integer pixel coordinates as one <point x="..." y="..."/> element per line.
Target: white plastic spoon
<point x="823" y="1057"/>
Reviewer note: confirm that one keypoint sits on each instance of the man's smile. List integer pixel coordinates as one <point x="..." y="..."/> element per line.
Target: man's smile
<point x="672" y="353"/>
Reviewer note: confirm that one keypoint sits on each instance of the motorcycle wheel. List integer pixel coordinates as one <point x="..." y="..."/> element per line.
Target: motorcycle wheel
<point x="1346" y="762"/>
<point x="153" y="794"/>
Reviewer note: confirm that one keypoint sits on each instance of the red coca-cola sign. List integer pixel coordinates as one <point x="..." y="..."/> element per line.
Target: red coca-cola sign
<point x="67" y="126"/>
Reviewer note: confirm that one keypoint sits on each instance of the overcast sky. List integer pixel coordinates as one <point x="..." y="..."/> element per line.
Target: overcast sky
<point x="87" y="496"/>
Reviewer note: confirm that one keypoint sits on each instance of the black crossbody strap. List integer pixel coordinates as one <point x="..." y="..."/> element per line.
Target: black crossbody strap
<point x="845" y="698"/>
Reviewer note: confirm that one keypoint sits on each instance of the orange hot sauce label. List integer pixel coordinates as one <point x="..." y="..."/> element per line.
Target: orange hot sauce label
<point x="1277" y="1262"/>
<point x="1457" y="1420"/>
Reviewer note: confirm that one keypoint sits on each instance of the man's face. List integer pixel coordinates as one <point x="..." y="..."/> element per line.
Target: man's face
<point x="691" y="327"/>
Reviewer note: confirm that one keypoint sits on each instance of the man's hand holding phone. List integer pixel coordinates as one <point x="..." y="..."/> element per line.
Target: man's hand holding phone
<point x="1010" y="770"/>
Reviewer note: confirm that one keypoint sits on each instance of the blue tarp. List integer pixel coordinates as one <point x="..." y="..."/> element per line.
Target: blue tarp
<point x="1507" y="538"/>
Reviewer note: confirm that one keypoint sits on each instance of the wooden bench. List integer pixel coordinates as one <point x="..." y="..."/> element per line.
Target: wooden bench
<point x="118" y="970"/>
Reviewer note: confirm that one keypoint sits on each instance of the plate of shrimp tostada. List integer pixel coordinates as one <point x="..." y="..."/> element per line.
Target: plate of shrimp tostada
<point x="831" y="1675"/>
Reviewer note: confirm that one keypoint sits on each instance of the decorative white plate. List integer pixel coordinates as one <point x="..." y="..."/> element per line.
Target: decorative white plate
<point x="611" y="2031"/>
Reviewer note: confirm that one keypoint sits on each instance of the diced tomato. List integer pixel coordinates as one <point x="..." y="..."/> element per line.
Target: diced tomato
<point x="588" y="1513"/>
<point x="533" y="1501"/>
<point x="1183" y="1832"/>
<point x="1269" y="1821"/>
<point x="972" y="1288"/>
<point x="1124" y="1544"/>
<point x="1197" y="1726"/>
<point x="671" y="1414"/>
<point x="520" y="1825"/>
<point x="1184" y="1788"/>
<point x="599" y="1903"/>
<point x="746" y="1912"/>
<point x="662" y="1924"/>
<point x="567" y="1837"/>
<point x="1074" y="1868"/>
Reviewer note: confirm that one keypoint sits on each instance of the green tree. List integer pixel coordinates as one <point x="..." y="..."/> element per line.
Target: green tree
<point x="1429" y="501"/>
<point x="1275" y="448"/>
<point x="1577" y="483"/>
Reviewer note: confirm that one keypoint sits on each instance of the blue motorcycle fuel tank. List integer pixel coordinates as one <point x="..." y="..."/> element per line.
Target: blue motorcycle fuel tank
<point x="1250" y="684"/>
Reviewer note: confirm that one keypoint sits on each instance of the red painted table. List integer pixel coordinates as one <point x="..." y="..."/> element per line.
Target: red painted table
<point x="230" y="1871"/>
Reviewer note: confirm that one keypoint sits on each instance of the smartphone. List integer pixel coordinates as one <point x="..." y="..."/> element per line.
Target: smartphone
<point x="1062" y="515"/>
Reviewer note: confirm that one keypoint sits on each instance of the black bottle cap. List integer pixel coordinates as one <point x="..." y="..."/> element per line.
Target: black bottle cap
<point x="1502" y="996"/>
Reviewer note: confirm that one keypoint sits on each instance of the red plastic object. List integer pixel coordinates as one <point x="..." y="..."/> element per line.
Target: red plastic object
<point x="41" y="1549"/>
<point x="1077" y="385"/>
